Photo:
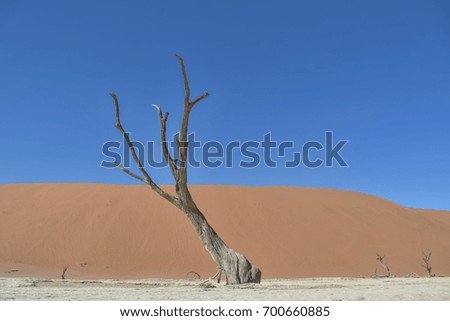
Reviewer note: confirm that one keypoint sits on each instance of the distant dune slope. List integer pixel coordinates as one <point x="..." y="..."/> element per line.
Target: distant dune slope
<point x="120" y="231"/>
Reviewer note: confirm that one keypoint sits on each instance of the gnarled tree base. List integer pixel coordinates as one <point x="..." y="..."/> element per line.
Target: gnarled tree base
<point x="235" y="266"/>
<point x="239" y="270"/>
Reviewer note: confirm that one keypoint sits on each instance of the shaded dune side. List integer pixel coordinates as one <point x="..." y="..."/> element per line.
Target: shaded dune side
<point x="121" y="231"/>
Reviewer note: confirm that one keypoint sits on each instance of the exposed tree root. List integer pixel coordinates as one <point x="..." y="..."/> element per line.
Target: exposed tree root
<point x="209" y="281"/>
<point x="195" y="273"/>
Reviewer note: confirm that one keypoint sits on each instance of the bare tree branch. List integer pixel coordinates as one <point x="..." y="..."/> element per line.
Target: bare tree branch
<point x="183" y="137"/>
<point x="187" y="98"/>
<point x="205" y="95"/>
<point x="142" y="179"/>
<point x="165" y="149"/>
<point x="147" y="177"/>
<point x="187" y="90"/>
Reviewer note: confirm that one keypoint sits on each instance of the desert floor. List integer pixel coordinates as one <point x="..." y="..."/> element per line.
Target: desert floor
<point x="312" y="289"/>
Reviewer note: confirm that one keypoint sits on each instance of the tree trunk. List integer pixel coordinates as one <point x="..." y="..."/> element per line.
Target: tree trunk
<point x="235" y="266"/>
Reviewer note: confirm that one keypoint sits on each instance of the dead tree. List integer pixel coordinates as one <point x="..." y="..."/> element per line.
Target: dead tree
<point x="64" y="270"/>
<point x="427" y="265"/>
<point x="384" y="265"/>
<point x="236" y="267"/>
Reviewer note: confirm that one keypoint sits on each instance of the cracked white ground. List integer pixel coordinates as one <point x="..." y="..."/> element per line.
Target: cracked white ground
<point x="326" y="289"/>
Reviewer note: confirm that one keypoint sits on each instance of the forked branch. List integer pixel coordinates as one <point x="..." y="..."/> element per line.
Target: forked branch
<point x="182" y="139"/>
<point x="146" y="179"/>
<point x="188" y="104"/>
<point x="178" y="172"/>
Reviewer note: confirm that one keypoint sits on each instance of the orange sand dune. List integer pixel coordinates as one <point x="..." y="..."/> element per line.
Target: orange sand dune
<point x="119" y="231"/>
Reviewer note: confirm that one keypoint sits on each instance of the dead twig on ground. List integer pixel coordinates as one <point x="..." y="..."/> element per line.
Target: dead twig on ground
<point x="195" y="273"/>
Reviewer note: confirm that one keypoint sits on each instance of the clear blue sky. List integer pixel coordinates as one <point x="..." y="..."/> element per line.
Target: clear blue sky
<point x="375" y="72"/>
